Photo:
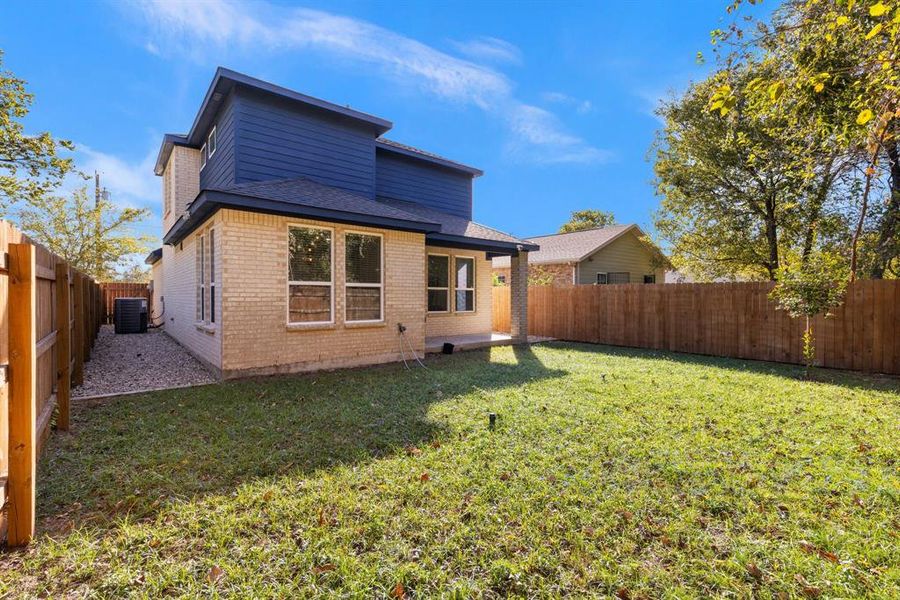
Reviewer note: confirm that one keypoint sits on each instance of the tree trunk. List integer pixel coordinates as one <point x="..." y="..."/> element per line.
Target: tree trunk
<point x="772" y="238"/>
<point x="885" y="248"/>
<point x="815" y="211"/>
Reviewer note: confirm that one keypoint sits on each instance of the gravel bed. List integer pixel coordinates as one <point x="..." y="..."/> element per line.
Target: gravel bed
<point x="140" y="361"/>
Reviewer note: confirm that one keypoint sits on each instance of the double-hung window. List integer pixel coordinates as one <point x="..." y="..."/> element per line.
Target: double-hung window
<point x="310" y="275"/>
<point x="465" y="284"/>
<point x="202" y="156"/>
<point x="364" y="275"/>
<point x="206" y="277"/>
<point x="438" y="283"/>
<point x="211" y="142"/>
<point x="201" y="278"/>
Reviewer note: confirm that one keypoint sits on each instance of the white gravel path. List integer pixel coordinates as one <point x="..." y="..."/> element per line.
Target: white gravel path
<point x="122" y="364"/>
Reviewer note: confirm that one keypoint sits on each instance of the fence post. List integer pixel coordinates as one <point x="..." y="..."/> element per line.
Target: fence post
<point x="78" y="329"/>
<point x="63" y="351"/>
<point x="22" y="389"/>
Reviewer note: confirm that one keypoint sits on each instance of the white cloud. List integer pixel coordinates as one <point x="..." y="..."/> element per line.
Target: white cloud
<point x="582" y="107"/>
<point x="202" y="30"/>
<point x="129" y="183"/>
<point x="489" y="49"/>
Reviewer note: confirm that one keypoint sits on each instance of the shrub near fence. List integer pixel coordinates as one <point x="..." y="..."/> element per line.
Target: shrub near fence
<point x="49" y="319"/>
<point x="720" y="319"/>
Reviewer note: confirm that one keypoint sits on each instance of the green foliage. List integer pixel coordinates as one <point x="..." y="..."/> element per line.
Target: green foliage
<point x="811" y="288"/>
<point x="496" y="280"/>
<point x="588" y="219"/>
<point x="96" y="239"/>
<point x="30" y="167"/>
<point x="538" y="275"/>
<point x="806" y="289"/>
<point x="836" y="77"/>
<point x="612" y="472"/>
<point x="134" y="274"/>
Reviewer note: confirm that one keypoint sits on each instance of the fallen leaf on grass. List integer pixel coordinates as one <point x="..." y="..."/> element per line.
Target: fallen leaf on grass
<point x="424" y="477"/>
<point x="412" y="451"/>
<point x="813" y="549"/>
<point x="435" y="444"/>
<point x="754" y="571"/>
<point x="623" y="594"/>
<point x="399" y="591"/>
<point x="505" y="476"/>
<point x="215" y="574"/>
<point x="809" y="590"/>
<point x="323" y="568"/>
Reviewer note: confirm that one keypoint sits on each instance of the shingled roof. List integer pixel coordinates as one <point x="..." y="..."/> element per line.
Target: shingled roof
<point x="570" y="247"/>
<point x="451" y="224"/>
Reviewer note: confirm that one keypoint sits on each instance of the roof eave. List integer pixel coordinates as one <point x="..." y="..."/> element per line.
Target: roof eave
<point x="209" y="201"/>
<point x="448" y="164"/>
<point x="480" y="244"/>
<point x="165" y="149"/>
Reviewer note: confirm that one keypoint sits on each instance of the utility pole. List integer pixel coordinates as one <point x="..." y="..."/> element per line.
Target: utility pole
<point x="98" y="195"/>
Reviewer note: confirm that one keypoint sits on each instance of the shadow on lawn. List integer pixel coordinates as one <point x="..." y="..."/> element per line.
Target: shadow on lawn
<point x="837" y="377"/>
<point x="128" y="455"/>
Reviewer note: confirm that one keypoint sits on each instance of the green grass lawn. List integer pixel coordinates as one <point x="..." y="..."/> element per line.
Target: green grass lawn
<point x="611" y="472"/>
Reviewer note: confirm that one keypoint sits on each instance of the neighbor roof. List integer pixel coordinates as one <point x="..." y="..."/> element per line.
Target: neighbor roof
<point x="571" y="247"/>
<point x="154" y="256"/>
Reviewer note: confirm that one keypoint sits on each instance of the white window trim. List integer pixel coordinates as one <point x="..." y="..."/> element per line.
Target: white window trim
<point x="287" y="289"/>
<point x="212" y="147"/>
<point x="379" y="285"/>
<point x="211" y="313"/>
<point x="446" y="289"/>
<point x="474" y="287"/>
<point x="202" y="156"/>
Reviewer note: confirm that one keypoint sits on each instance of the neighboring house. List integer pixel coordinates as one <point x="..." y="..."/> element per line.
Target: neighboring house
<point x="614" y="254"/>
<point x="297" y="238"/>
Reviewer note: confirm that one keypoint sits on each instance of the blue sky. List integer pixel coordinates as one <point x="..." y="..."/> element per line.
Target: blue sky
<point x="554" y="101"/>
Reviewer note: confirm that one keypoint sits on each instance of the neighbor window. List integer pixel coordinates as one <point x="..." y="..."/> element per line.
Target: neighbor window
<point x="202" y="156"/>
<point x="465" y="284"/>
<point x="364" y="277"/>
<point x="620" y="277"/>
<point x="602" y="279"/>
<point x="211" y="142"/>
<point x="649" y="278"/>
<point x="310" y="275"/>
<point x="438" y="283"/>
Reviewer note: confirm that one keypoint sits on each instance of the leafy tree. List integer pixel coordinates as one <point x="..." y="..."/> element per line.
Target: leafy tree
<point x="838" y="73"/>
<point x="742" y="187"/>
<point x="539" y="276"/>
<point x="94" y="239"/>
<point x="588" y="219"/>
<point x="134" y="274"/>
<point x="30" y="167"/>
<point x="806" y="289"/>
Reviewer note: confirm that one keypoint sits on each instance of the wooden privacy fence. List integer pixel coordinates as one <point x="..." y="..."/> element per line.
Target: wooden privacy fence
<point x="49" y="319"/>
<point x="116" y="289"/>
<point x="720" y="319"/>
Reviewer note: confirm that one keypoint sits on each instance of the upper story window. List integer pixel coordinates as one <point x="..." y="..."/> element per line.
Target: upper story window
<point x="438" y="283"/>
<point x="211" y="142"/>
<point x="202" y="156"/>
<point x="310" y="275"/>
<point x="465" y="284"/>
<point x="364" y="277"/>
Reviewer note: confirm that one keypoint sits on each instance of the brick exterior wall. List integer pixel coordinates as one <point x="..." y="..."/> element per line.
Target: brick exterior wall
<point x="257" y="338"/>
<point x="562" y="273"/>
<point x="180" y="293"/>
<point x="518" y="296"/>
<point x="453" y="323"/>
<point x="181" y="183"/>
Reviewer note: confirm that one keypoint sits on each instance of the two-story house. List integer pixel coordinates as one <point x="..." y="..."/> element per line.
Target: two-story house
<point x="296" y="237"/>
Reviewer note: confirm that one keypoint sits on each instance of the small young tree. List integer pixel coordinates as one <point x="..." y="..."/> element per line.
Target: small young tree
<point x="94" y="239"/>
<point x="809" y="289"/>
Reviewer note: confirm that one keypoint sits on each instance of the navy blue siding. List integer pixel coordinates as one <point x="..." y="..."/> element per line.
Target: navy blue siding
<point x="275" y="140"/>
<point x="219" y="170"/>
<point x="412" y="180"/>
